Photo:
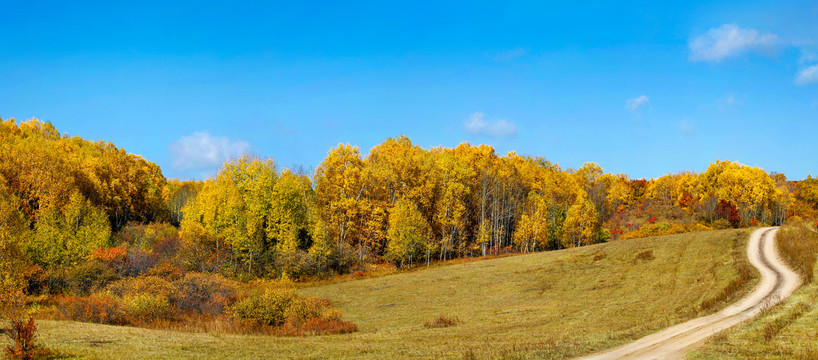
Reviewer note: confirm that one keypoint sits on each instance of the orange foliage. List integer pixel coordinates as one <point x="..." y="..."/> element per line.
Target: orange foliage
<point x="110" y="255"/>
<point x="23" y="339"/>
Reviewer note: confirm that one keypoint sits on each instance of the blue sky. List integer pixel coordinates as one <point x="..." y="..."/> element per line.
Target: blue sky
<point x="642" y="88"/>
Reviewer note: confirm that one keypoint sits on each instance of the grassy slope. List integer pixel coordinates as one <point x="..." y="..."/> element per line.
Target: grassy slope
<point x="786" y="331"/>
<point x="547" y="305"/>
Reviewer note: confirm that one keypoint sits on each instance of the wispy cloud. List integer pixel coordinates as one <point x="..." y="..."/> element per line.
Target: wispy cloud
<point x="730" y="40"/>
<point x="687" y="128"/>
<point x="727" y="102"/>
<point x="477" y="125"/>
<point x="808" y="75"/>
<point x="201" y="150"/>
<point x="508" y="55"/>
<point x="633" y="105"/>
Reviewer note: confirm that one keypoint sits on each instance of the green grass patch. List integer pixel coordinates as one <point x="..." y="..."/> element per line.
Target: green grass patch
<point x="556" y="304"/>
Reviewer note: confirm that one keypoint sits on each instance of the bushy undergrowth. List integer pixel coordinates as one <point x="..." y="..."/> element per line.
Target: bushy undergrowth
<point x="799" y="247"/>
<point x="101" y="309"/>
<point x="660" y="229"/>
<point x="199" y="298"/>
<point x="282" y="312"/>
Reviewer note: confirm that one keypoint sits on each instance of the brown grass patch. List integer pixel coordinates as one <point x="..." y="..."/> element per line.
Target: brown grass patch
<point x="799" y="247"/>
<point x="442" y="322"/>
<point x="645" y="255"/>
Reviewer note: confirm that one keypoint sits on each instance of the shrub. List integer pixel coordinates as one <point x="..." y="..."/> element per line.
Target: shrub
<point x="206" y="293"/>
<point x="144" y="236"/>
<point x="48" y="281"/>
<point x="442" y="322"/>
<point x="101" y="309"/>
<point x="721" y="224"/>
<point x="139" y="262"/>
<point x="148" y="308"/>
<point x="115" y="257"/>
<point x="23" y="337"/>
<point x="167" y="270"/>
<point x="727" y="210"/>
<point x="281" y="312"/>
<point x="151" y="285"/>
<point x="88" y="276"/>
<point x="302" y="310"/>
<point x="268" y="309"/>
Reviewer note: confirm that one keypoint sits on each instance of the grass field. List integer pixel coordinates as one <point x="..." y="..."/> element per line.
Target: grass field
<point x="546" y="305"/>
<point x="786" y="331"/>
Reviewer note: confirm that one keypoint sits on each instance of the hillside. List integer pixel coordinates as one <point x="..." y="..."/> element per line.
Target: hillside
<point x="546" y="305"/>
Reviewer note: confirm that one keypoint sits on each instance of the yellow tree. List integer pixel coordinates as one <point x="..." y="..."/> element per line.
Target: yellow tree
<point x="322" y="249"/>
<point x="14" y="230"/>
<point x="661" y="189"/>
<point x="580" y="223"/>
<point x="561" y="190"/>
<point x="235" y="208"/>
<point x="408" y="232"/>
<point x="532" y="229"/>
<point x="290" y="220"/>
<point x="66" y="236"/>
<point x="451" y="208"/>
<point x="339" y="188"/>
<point x="394" y="169"/>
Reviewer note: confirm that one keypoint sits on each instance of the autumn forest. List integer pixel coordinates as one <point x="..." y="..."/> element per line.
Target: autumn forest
<point x="102" y="236"/>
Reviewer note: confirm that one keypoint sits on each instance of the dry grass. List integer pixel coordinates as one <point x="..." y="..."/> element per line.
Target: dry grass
<point x="547" y="305"/>
<point x="786" y="331"/>
<point x="745" y="275"/>
<point x="645" y="255"/>
<point x="442" y="322"/>
<point x="799" y="246"/>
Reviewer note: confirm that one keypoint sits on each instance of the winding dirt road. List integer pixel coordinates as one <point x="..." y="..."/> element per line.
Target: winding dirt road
<point x="777" y="283"/>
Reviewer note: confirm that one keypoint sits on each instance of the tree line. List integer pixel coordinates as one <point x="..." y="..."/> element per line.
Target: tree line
<point x="63" y="197"/>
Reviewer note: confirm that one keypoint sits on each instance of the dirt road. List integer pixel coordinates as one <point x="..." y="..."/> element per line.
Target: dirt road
<point x="777" y="283"/>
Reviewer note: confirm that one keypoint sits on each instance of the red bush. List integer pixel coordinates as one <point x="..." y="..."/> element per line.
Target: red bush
<point x="23" y="336"/>
<point x="652" y="219"/>
<point x="726" y="210"/>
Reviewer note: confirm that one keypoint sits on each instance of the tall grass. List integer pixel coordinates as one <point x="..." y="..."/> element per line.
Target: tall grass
<point x="738" y="284"/>
<point x="799" y="247"/>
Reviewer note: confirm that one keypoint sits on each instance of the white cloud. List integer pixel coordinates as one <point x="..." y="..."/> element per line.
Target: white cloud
<point x="477" y="125"/>
<point x="637" y="103"/>
<point x="807" y="75"/>
<point x="201" y="150"/>
<point x="730" y="40"/>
